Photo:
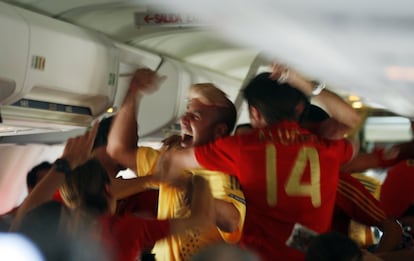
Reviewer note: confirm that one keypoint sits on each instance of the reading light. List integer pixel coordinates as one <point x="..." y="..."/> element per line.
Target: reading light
<point x="357" y="105"/>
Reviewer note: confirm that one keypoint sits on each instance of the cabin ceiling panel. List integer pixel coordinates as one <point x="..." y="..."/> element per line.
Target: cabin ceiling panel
<point x="358" y="47"/>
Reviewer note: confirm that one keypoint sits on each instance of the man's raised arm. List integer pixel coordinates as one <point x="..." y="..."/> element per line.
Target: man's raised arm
<point x="338" y="109"/>
<point x="123" y="136"/>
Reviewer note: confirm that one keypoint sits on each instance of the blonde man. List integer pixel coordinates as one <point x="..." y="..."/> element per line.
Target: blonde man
<point x="210" y="115"/>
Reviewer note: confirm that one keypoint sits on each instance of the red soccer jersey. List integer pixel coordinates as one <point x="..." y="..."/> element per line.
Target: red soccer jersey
<point x="397" y="192"/>
<point x="127" y="236"/>
<point x="288" y="176"/>
<point x="357" y="202"/>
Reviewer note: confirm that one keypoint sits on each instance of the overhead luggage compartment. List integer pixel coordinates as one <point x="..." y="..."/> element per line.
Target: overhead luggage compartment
<point x="52" y="71"/>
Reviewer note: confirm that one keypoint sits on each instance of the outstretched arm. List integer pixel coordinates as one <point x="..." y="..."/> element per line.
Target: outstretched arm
<point x="77" y="151"/>
<point x="361" y="163"/>
<point x="123" y="136"/>
<point x="172" y="162"/>
<point x="123" y="188"/>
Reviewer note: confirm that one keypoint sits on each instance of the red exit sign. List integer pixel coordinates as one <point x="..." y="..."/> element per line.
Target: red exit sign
<point x="166" y="19"/>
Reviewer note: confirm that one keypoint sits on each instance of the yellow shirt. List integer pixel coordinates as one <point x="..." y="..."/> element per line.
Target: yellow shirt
<point x="171" y="204"/>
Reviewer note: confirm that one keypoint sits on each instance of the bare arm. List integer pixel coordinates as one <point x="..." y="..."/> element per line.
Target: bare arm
<point x="338" y="109"/>
<point x="401" y="151"/>
<point x="172" y="162"/>
<point x="202" y="208"/>
<point x="361" y="163"/>
<point x="122" y="188"/>
<point x="335" y="105"/>
<point x="404" y="254"/>
<point x="44" y="191"/>
<point x="123" y="136"/>
<point x="391" y="237"/>
<point x="227" y="215"/>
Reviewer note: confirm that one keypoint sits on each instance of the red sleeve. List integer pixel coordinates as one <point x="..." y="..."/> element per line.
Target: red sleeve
<point x="132" y="234"/>
<point x="221" y="155"/>
<point x="357" y="202"/>
<point x="397" y="192"/>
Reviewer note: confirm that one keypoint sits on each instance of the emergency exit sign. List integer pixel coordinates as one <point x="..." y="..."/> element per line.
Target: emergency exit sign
<point x="166" y="19"/>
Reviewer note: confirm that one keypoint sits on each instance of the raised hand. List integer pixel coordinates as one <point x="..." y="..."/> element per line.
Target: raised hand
<point x="279" y="73"/>
<point x="284" y="74"/>
<point x="146" y="81"/>
<point x="79" y="149"/>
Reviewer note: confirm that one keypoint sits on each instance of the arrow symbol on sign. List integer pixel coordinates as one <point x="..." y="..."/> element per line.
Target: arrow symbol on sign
<point x="148" y="18"/>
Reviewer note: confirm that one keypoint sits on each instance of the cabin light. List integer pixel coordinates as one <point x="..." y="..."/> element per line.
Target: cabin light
<point x="357" y="105"/>
<point x="353" y="98"/>
<point x="400" y="73"/>
<point x="110" y="110"/>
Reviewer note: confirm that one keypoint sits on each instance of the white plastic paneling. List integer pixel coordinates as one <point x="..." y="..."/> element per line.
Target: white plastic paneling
<point x="69" y="65"/>
<point x="387" y="129"/>
<point x="14" y="46"/>
<point x="16" y="161"/>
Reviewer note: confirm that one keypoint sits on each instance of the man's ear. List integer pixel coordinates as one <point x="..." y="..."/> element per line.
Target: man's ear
<point x="299" y="109"/>
<point x="254" y="113"/>
<point x="256" y="117"/>
<point x="108" y="190"/>
<point x="220" y="130"/>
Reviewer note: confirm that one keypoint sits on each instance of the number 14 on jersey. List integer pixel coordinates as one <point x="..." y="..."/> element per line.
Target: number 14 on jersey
<point x="294" y="186"/>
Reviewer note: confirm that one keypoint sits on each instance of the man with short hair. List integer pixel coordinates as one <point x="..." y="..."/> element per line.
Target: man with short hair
<point x="210" y="115"/>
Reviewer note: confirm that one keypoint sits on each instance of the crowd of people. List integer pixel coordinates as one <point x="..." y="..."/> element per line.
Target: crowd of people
<point x="278" y="188"/>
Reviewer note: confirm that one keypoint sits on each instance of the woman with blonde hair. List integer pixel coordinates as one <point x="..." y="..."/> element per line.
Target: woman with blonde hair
<point x="85" y="189"/>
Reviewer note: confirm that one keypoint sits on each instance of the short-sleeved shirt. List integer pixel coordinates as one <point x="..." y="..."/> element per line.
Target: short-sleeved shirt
<point x="125" y="237"/>
<point x="172" y="204"/>
<point x="288" y="176"/>
<point x="397" y="193"/>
